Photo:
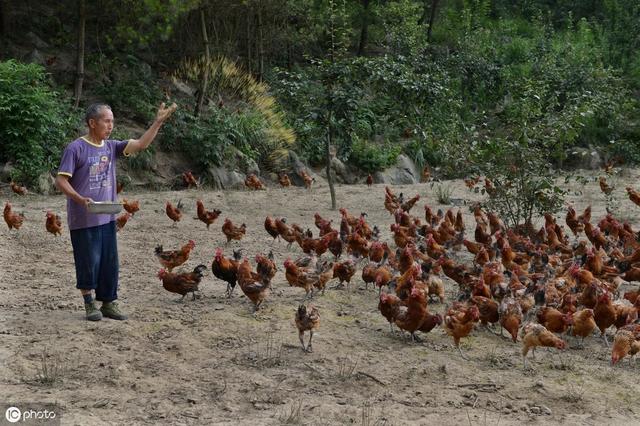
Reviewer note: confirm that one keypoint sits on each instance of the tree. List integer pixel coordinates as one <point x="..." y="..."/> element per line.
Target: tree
<point x="205" y="75"/>
<point x="82" y="18"/>
<point x="364" y="33"/>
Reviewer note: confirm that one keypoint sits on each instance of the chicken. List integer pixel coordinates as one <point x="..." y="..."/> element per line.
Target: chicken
<point x="285" y="231"/>
<point x="510" y="316"/>
<point x="487" y="308"/>
<point x="408" y="205"/>
<point x="255" y="291"/>
<point x="554" y="320"/>
<point x="573" y="223"/>
<point x="430" y="322"/>
<point x="182" y="283"/>
<point x="174" y="213"/>
<point x="401" y="236"/>
<point x="307" y="319"/>
<point x="604" y="186"/>
<point x="626" y="342"/>
<point x="13" y="220"/>
<point x="122" y="220"/>
<point x="283" y="180"/>
<point x="253" y="182"/>
<point x="634" y="195"/>
<point x="604" y="314"/>
<point x="583" y="323"/>
<point x="20" y="190"/>
<point x="626" y="313"/>
<point x="308" y="180"/>
<point x="471" y="182"/>
<point x="369" y="180"/>
<point x="131" y="206"/>
<point x="388" y="306"/>
<point x="53" y="223"/>
<point x="174" y="258"/>
<point x="426" y="174"/>
<point x="206" y="216"/>
<point x="265" y="267"/>
<point x="458" y="322"/>
<point x="344" y="271"/>
<point x="119" y="187"/>
<point x="411" y="312"/>
<point x="357" y="245"/>
<point x="535" y="335"/>
<point x="298" y="277"/>
<point x="233" y="232"/>
<point x="271" y="228"/>
<point x="226" y="269"/>
<point x="189" y="180"/>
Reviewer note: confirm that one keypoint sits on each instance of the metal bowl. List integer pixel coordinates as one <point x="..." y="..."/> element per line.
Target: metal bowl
<point x="104" y="207"/>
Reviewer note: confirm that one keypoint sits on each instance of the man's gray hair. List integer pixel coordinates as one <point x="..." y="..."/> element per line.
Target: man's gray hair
<point x="94" y="111"/>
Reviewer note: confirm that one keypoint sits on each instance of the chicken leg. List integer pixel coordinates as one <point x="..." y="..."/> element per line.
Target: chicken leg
<point x="301" y="336"/>
<point x="461" y="354"/>
<point x="309" y="349"/>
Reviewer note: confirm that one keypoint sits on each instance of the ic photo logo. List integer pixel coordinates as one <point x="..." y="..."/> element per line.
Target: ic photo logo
<point x="13" y="414"/>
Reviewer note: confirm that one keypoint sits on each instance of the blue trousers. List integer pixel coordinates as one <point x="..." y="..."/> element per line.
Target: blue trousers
<point x="95" y="252"/>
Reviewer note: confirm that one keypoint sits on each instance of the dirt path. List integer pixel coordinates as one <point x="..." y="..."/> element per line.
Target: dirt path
<point x="210" y="360"/>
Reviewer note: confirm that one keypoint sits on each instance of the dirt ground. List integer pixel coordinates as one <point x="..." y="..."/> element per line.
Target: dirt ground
<point x="210" y="361"/>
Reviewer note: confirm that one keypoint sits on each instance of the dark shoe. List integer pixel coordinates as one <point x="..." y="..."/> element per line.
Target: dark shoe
<point x="111" y="310"/>
<point x="93" y="313"/>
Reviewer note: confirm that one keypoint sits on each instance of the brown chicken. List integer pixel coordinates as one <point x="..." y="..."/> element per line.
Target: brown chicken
<point x="171" y="259"/>
<point x="634" y="195"/>
<point x="206" y="216"/>
<point x="572" y="221"/>
<point x="298" y="277"/>
<point x="122" y="220"/>
<point x="487" y="308"/>
<point x="554" y="320"/>
<point x="411" y="312"/>
<point x="344" y="271"/>
<point x="308" y="180"/>
<point x="583" y="324"/>
<point x="604" y="186"/>
<point x="119" y="187"/>
<point x="510" y="316"/>
<point x="13" y="220"/>
<point x="626" y="313"/>
<point x="626" y="342"/>
<point x="283" y="180"/>
<point x="53" y="223"/>
<point x="253" y="182"/>
<point x="182" y="284"/>
<point x="408" y="205"/>
<point x="255" y="291"/>
<point x="307" y="319"/>
<point x="174" y="213"/>
<point x="233" y="232"/>
<point x="459" y="321"/>
<point x="271" y="228"/>
<point x="369" y="180"/>
<point x="536" y="335"/>
<point x="388" y="306"/>
<point x="189" y="180"/>
<point x="20" y="190"/>
<point x="604" y="314"/>
<point x="266" y="267"/>
<point x="226" y="269"/>
<point x="131" y="206"/>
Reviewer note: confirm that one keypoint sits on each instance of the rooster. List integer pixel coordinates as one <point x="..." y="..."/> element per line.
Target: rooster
<point x="53" y="223"/>
<point x="307" y="319"/>
<point x="233" y="232"/>
<point x="174" y="213"/>
<point x="255" y="291"/>
<point x="182" y="283"/>
<point x="308" y="180"/>
<point x="226" y="269"/>
<point x="14" y="220"/>
<point x="189" y="180"/>
<point x="173" y="258"/>
<point x="206" y="216"/>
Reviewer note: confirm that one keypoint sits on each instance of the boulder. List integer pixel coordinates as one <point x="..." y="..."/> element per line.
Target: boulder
<point x="36" y="41"/>
<point x="403" y="173"/>
<point x="45" y="184"/>
<point x="222" y="178"/>
<point x="583" y="158"/>
<point x="342" y="172"/>
<point x="183" y="87"/>
<point x="5" y="172"/>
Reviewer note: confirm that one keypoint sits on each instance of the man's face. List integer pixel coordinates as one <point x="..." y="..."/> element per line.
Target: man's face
<point x="103" y="125"/>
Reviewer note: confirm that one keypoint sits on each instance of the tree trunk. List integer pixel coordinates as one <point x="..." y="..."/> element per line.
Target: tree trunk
<point x="432" y="18"/>
<point x="4" y="17"/>
<point x="249" y="67"/>
<point x="202" y="95"/>
<point x="364" y="34"/>
<point x="260" y="46"/>
<point x="332" y="190"/>
<point x="82" y="18"/>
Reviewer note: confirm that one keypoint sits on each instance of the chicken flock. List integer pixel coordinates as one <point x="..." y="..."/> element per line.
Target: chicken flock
<point x="541" y="286"/>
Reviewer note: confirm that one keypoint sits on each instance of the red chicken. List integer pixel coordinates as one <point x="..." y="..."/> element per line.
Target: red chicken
<point x="131" y="206"/>
<point x="233" y="232"/>
<point x="226" y="269"/>
<point x="206" y="216"/>
<point x="265" y="267"/>
<point x="174" y="213"/>
<point x="369" y="180"/>
<point x="14" y="220"/>
<point x="283" y="180"/>
<point x="308" y="180"/>
<point x="411" y="312"/>
<point x="510" y="316"/>
<point x="307" y="319"/>
<point x="604" y="314"/>
<point x="182" y="283"/>
<point x="388" y="306"/>
<point x="189" y="180"/>
<point x="53" y="223"/>
<point x="255" y="291"/>
<point x="20" y="190"/>
<point x="459" y="321"/>
<point x="626" y="342"/>
<point x="535" y="335"/>
<point x="344" y="271"/>
<point x="253" y="182"/>
<point x="122" y="220"/>
<point x="174" y="258"/>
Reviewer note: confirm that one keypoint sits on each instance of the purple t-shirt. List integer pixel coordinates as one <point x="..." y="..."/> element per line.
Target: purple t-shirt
<point x="92" y="171"/>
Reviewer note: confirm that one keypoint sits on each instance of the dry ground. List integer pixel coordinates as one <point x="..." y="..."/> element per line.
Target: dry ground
<point x="210" y="361"/>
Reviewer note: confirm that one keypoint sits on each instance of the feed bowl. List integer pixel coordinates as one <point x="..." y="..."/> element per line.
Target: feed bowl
<point x="105" y="207"/>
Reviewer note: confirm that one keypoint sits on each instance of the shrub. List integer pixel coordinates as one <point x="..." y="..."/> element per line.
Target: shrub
<point x="371" y="158"/>
<point x="34" y="123"/>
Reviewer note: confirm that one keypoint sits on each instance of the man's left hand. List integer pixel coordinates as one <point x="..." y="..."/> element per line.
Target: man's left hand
<point x="165" y="112"/>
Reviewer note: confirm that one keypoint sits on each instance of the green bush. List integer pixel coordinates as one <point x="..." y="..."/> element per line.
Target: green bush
<point x="35" y="121"/>
<point x="371" y="158"/>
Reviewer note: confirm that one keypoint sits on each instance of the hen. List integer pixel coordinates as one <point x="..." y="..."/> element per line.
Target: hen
<point x="226" y="269"/>
<point x="535" y="335"/>
<point x="131" y="206"/>
<point x="369" y="180"/>
<point x="265" y="267"/>
<point x="253" y="182"/>
<point x="459" y="321"/>
<point x="255" y="291"/>
<point x="14" y="220"/>
<point x="308" y="180"/>
<point x="53" y="223"/>
<point x="307" y="319"/>
<point x="626" y="342"/>
<point x="174" y="213"/>
<point x="411" y="312"/>
<point x="583" y="324"/>
<point x="283" y="180"/>
<point x="344" y="271"/>
<point x="122" y="220"/>
<point x="233" y="232"/>
<point x="206" y="216"/>
<point x="182" y="283"/>
<point x="554" y="320"/>
<point x="511" y="316"/>
<point x="173" y="258"/>
<point x="189" y="180"/>
<point x="634" y="195"/>
<point x="388" y="306"/>
<point x="20" y="190"/>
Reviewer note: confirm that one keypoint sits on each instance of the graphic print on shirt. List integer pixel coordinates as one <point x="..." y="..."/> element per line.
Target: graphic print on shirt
<point x="99" y="171"/>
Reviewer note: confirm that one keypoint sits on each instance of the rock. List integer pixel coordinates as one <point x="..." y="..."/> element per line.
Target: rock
<point x="36" y="41"/>
<point x="342" y="173"/>
<point x="183" y="87"/>
<point x="546" y="410"/>
<point x="403" y="173"/>
<point x="5" y="172"/>
<point x="45" y="184"/>
<point x="583" y="158"/>
<point x="225" y="179"/>
<point x="36" y="57"/>
<point x="535" y="410"/>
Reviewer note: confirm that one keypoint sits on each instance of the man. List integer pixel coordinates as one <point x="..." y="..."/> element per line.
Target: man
<point x="87" y="173"/>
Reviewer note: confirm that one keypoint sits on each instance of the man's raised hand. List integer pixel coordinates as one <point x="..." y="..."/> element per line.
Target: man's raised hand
<point x="165" y="112"/>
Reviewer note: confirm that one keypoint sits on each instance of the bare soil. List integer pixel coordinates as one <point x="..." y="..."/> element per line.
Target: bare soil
<point x="211" y="361"/>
